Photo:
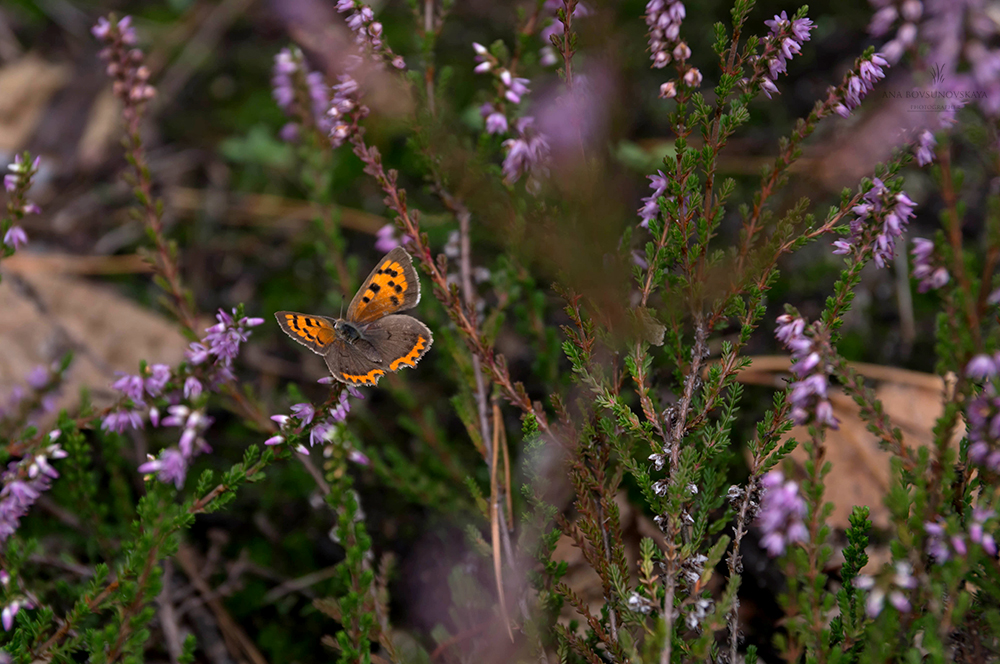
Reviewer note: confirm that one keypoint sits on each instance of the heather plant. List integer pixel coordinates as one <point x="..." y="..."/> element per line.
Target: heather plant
<point x="587" y="364"/>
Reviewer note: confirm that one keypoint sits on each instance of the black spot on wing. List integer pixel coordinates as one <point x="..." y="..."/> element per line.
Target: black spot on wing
<point x="395" y="300"/>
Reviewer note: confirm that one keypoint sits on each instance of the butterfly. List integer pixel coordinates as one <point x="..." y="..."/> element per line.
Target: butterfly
<point x="372" y="339"/>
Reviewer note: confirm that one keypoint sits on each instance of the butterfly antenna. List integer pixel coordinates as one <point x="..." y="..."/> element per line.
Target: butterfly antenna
<point x="341" y="307"/>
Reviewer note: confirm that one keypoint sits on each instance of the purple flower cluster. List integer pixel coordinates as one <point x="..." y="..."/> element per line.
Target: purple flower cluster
<point x="784" y="41"/>
<point x="322" y="427"/>
<point x="172" y="463"/>
<point x="664" y="18"/>
<point x="781" y="512"/>
<point x="23" y="482"/>
<point x="651" y="204"/>
<point x="808" y="395"/>
<point x="942" y="546"/>
<point x="883" y="213"/>
<point x="982" y="415"/>
<point x="17" y="183"/>
<point x="892" y="587"/>
<point x="11" y="610"/>
<point x="368" y="32"/>
<point x="209" y="365"/>
<point x="345" y="110"/>
<point x="291" y="74"/>
<point x="125" y="65"/>
<point x="387" y="238"/>
<point x="860" y="84"/>
<point x="930" y="277"/>
<point x="510" y="89"/>
<point x="889" y="11"/>
<point x="527" y="154"/>
<point x="924" y="148"/>
<point x="222" y="343"/>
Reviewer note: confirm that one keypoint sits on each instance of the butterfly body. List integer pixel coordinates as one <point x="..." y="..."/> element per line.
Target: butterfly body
<point x="372" y="339"/>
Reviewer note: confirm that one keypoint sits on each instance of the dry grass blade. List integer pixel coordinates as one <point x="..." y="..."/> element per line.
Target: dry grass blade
<point x="495" y="519"/>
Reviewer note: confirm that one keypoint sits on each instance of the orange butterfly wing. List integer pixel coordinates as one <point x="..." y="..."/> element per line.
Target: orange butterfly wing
<point x="392" y="286"/>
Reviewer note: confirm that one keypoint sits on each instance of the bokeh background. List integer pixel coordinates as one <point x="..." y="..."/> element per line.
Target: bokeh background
<point x="248" y="232"/>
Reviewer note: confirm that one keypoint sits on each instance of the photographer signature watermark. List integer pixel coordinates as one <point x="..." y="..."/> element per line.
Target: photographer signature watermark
<point x="936" y="98"/>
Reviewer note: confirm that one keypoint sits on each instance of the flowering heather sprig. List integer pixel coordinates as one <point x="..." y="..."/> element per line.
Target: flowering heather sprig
<point x="209" y="366"/>
<point x="125" y="66"/>
<point x="527" y="154"/>
<point x="784" y="41"/>
<point x="321" y="426"/>
<point x="513" y="88"/>
<point x="510" y="89"/>
<point x="858" y="85"/>
<point x="924" y="148"/>
<point x="982" y="415"/>
<point x="942" y="546"/>
<point x="345" y="110"/>
<point x="890" y="585"/>
<point x="23" y="482"/>
<point x="886" y="16"/>
<point x="808" y="394"/>
<point x="368" y="32"/>
<point x="17" y="183"/>
<point x="882" y="217"/>
<point x="173" y="462"/>
<point x="301" y="93"/>
<point x="651" y="204"/>
<point x="924" y="269"/>
<point x="555" y="27"/>
<point x="781" y="512"/>
<point x="664" y="18"/>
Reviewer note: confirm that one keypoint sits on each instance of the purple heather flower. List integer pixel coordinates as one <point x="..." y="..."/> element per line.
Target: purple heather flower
<point x="978" y="534"/>
<point x="781" y="512"/>
<point x="924" y="149"/>
<point x="359" y="458"/>
<point x="882" y="210"/>
<point x="651" y="204"/>
<point x="784" y="41"/>
<point x="496" y="121"/>
<point x="343" y="103"/>
<point x="388" y="238"/>
<point x="120" y="420"/>
<point x="170" y="466"/>
<point x="981" y="367"/>
<point x="275" y="440"/>
<point x="305" y="412"/>
<point x="808" y="395"/>
<point x="527" y="154"/>
<point x="11" y="610"/>
<point x="320" y="433"/>
<point x="663" y="18"/>
<point x="130" y="386"/>
<point x="15" y="237"/>
<point x="930" y="277"/>
<point x="159" y="376"/>
<point x="192" y="388"/>
<point x="859" y="85"/>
